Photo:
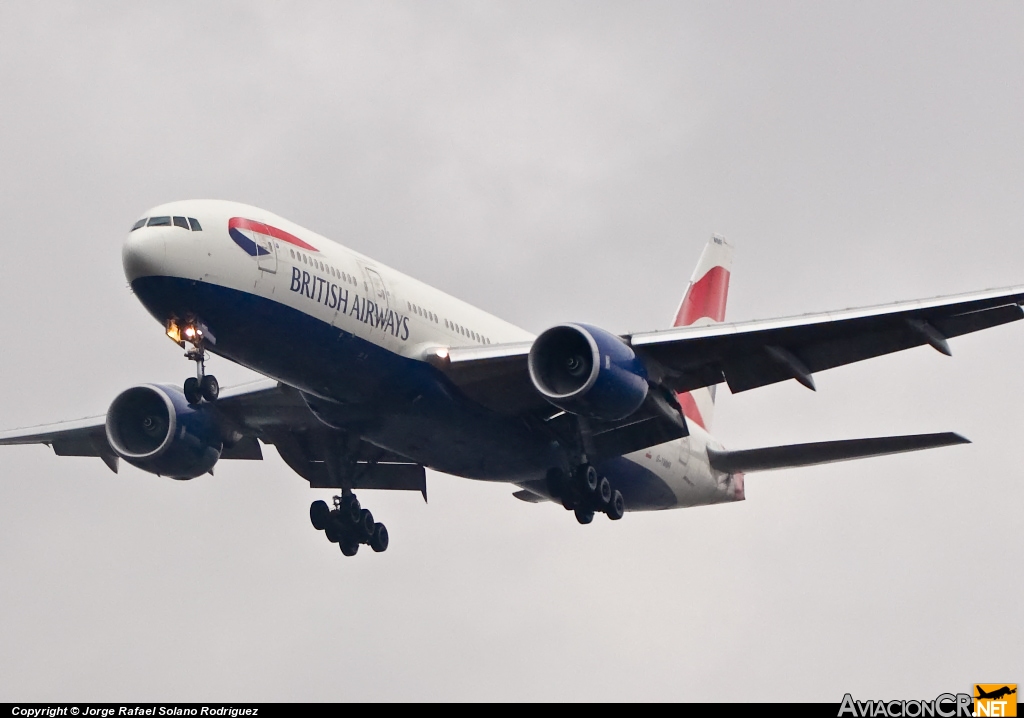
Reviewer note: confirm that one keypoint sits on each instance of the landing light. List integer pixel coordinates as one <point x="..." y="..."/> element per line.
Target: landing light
<point x="180" y="334"/>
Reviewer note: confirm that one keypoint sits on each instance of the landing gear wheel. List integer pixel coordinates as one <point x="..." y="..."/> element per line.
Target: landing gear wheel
<point x="319" y="515"/>
<point x="379" y="539"/>
<point x="351" y="504"/>
<point x="588" y="479"/>
<point x="616" y="507"/>
<point x="333" y="533"/>
<point x="349" y="547"/>
<point x="604" y="491"/>
<point x="584" y="517"/>
<point x="366" y="524"/>
<point x="193" y="394"/>
<point x="209" y="387"/>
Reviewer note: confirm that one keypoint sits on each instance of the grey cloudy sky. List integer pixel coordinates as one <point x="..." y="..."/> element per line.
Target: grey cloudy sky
<point x="547" y="161"/>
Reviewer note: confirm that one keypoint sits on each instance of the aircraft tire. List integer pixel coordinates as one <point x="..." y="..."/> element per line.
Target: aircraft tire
<point x="366" y="524"/>
<point x="584" y="516"/>
<point x="209" y="387"/>
<point x="355" y="511"/>
<point x="193" y="394"/>
<point x="333" y="532"/>
<point x="604" y="491"/>
<point x="349" y="546"/>
<point x="319" y="515"/>
<point x="587" y="479"/>
<point x="379" y="541"/>
<point x="616" y="507"/>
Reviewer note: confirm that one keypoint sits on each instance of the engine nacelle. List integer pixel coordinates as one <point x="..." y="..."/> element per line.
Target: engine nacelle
<point x="588" y="371"/>
<point x="154" y="428"/>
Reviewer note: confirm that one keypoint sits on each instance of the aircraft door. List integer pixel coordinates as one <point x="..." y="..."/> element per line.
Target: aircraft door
<point x="383" y="318"/>
<point x="381" y="296"/>
<point x="266" y="251"/>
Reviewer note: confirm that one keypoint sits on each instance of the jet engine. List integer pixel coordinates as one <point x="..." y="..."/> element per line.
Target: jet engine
<point x="588" y="371"/>
<point x="154" y="428"/>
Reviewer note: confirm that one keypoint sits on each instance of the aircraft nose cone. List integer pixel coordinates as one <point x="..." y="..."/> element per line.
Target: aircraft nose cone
<point x="143" y="253"/>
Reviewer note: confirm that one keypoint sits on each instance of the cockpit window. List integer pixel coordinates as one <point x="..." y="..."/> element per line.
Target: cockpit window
<point x="159" y="222"/>
<point x="140" y="223"/>
<point x="195" y="224"/>
<point x="181" y="222"/>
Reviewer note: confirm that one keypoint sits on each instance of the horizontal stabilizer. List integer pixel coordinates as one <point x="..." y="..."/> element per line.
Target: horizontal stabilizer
<point x="824" y="452"/>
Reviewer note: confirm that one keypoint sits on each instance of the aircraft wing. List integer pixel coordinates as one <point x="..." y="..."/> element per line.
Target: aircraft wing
<point x="258" y="411"/>
<point x="81" y="437"/>
<point x="747" y="355"/>
<point x="825" y="452"/>
<point x="245" y="406"/>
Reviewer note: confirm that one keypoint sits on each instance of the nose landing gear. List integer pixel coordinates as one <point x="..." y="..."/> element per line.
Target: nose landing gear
<point x="202" y="386"/>
<point x="348" y="524"/>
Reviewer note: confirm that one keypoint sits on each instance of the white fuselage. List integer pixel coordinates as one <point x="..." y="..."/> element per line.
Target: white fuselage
<point x="361" y="298"/>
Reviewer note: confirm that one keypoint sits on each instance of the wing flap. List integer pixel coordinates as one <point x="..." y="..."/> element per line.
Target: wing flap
<point x="824" y="452"/>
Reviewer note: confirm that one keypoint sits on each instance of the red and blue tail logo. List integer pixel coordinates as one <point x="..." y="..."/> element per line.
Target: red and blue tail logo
<point x="254" y="245"/>
<point x="704" y="303"/>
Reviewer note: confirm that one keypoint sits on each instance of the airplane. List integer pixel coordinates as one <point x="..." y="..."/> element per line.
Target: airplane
<point x="996" y="694"/>
<point x="373" y="376"/>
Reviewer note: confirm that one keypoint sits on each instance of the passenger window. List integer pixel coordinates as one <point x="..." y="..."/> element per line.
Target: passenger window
<point x="196" y="227"/>
<point x="181" y="222"/>
<point x="159" y="222"/>
<point x="140" y="223"/>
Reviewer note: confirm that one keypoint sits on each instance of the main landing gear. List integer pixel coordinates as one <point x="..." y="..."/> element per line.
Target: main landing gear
<point x="348" y="524"/>
<point x="203" y="386"/>
<point x="585" y="493"/>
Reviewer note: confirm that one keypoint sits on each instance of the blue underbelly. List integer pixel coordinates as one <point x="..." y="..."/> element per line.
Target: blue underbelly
<point x="413" y="409"/>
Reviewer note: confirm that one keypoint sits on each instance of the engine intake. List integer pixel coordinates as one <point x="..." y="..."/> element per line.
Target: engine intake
<point x="588" y="371"/>
<point x="154" y="428"/>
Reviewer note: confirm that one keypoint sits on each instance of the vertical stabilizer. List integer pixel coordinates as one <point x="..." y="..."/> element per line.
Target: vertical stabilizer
<point x="704" y="303"/>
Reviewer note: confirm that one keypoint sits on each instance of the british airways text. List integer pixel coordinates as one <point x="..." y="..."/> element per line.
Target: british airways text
<point x="334" y="296"/>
